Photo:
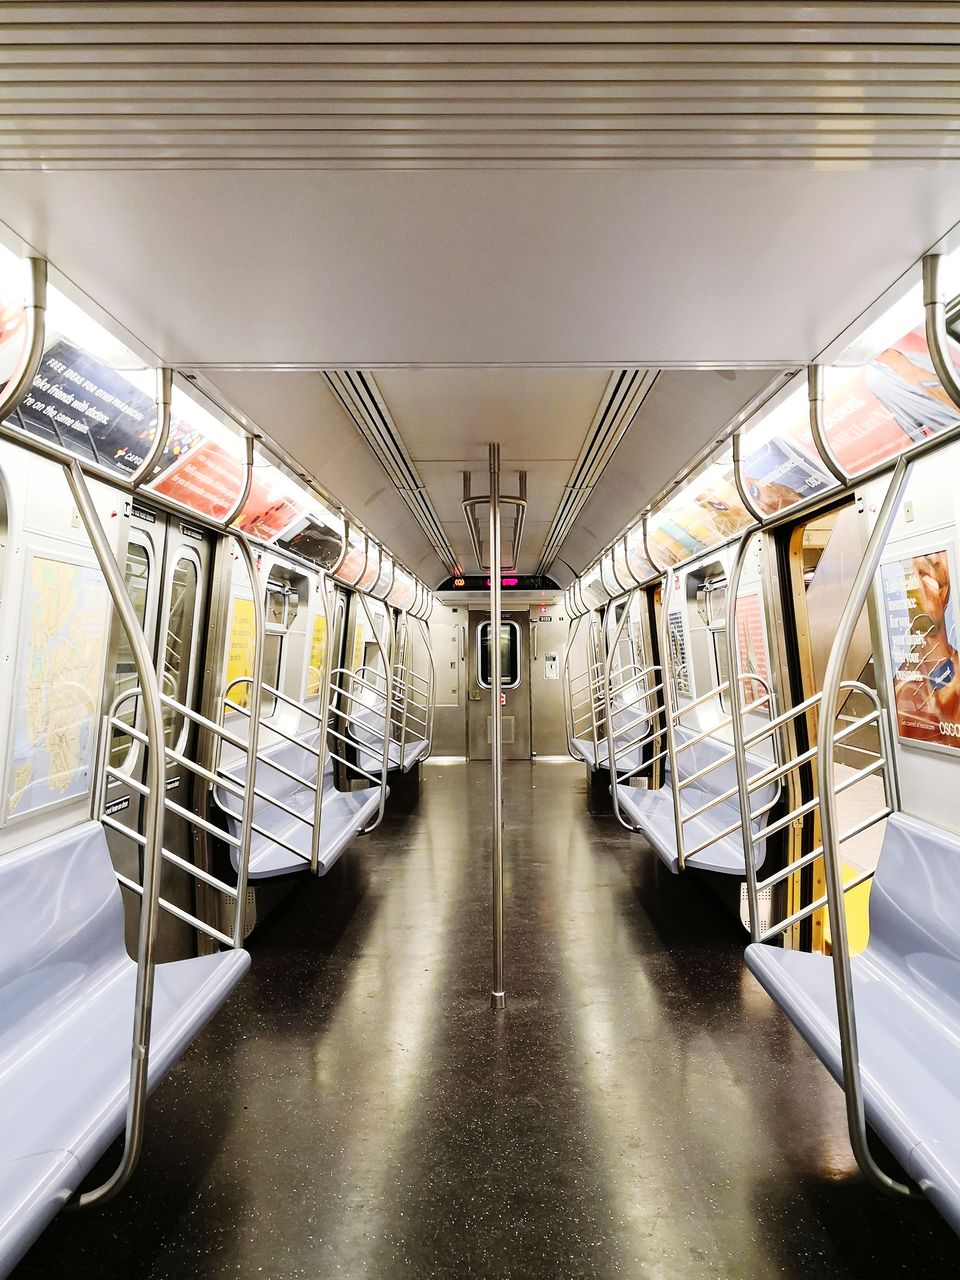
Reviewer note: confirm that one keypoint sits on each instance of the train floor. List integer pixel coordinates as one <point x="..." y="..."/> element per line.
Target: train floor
<point x="639" y="1110"/>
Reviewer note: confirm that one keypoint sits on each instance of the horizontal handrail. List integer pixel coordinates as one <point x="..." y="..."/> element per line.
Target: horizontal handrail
<point x="808" y="859"/>
<point x="272" y="692"/>
<point x="804" y="912"/>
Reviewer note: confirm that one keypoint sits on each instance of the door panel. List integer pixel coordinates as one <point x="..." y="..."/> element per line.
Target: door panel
<point x="516" y="705"/>
<point x="167" y="569"/>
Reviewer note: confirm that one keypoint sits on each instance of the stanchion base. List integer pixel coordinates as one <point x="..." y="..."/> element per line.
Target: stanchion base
<point x="498" y="1000"/>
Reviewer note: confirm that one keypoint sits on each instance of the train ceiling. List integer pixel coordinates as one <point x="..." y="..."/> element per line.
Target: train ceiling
<point x="488" y="210"/>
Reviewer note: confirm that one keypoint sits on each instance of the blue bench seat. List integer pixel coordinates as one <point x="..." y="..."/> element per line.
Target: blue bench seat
<point x="651" y="810"/>
<point x="627" y="728"/>
<point x="66" y="1023"/>
<point x="365" y="727"/>
<point x="282" y="845"/>
<point x="906" y="987"/>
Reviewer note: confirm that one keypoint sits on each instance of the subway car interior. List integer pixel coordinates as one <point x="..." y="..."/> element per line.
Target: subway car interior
<point x="480" y="762"/>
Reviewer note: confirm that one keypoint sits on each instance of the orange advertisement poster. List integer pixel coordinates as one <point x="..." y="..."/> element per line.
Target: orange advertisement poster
<point x="207" y="480"/>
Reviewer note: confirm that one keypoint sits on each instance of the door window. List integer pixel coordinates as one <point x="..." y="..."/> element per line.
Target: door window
<point x="136" y="578"/>
<point x="509" y="655"/>
<point x="179" y="648"/>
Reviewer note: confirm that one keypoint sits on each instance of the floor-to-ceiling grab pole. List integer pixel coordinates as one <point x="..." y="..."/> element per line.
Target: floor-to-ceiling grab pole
<point x="497" y="997"/>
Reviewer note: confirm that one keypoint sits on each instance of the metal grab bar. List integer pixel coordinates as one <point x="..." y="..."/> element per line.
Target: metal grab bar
<point x="826" y="741"/>
<point x="635" y="747"/>
<point x="153" y="836"/>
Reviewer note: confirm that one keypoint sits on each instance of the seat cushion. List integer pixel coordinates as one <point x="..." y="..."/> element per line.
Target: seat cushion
<point x="67" y="990"/>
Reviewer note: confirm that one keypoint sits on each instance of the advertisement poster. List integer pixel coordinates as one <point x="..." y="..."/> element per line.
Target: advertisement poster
<point x="206" y="479"/>
<point x="781" y="473"/>
<point x="272" y="505"/>
<point x="314" y="542"/>
<point x="240" y="649"/>
<point x="921" y="623"/>
<point x="751" y="647"/>
<point x="318" y="656"/>
<point x="64" y="623"/>
<point x="89" y="409"/>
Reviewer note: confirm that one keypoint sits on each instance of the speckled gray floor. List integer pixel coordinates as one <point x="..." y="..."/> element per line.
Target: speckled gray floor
<point x="639" y="1110"/>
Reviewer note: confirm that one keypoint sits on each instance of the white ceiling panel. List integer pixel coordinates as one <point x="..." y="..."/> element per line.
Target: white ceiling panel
<point x="373" y="269"/>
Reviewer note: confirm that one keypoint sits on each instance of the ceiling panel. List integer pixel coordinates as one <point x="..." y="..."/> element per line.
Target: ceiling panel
<point x="373" y="269"/>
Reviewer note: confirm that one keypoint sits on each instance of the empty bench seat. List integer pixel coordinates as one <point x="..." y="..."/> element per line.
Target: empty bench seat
<point x="281" y="841"/>
<point x="907" y="1000"/>
<point x="651" y="811"/>
<point x="627" y="729"/>
<point x="366" y="727"/>
<point x="66" y="1023"/>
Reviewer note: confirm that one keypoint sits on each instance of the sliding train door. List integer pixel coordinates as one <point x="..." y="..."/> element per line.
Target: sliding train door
<point x="167" y="570"/>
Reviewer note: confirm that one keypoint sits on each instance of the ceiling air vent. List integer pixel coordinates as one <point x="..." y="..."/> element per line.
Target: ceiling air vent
<point x="622" y="397"/>
<point x="360" y="396"/>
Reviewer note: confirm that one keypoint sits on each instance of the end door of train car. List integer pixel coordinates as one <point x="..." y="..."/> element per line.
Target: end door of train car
<point x="514" y="651"/>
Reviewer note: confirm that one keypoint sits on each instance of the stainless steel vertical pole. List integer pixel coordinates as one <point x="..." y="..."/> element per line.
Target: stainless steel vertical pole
<point x="497" y="997"/>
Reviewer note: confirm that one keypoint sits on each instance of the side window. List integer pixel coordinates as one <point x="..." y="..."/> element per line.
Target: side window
<point x="282" y="606"/>
<point x="136" y="577"/>
<point x="180" y="645"/>
<point x="715" y="611"/>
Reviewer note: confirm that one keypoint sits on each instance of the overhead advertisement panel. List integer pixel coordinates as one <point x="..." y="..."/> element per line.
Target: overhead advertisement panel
<point x="273" y="505"/>
<point x="874" y="413"/>
<point x="707" y="513"/>
<point x="91" y="410"/>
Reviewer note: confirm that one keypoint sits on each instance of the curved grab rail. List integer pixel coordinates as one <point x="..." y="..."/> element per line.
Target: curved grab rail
<point x="669" y="708"/>
<point x="935" y="326"/>
<point x="153" y="841"/>
<point x="829" y="826"/>
<point x="386" y="657"/>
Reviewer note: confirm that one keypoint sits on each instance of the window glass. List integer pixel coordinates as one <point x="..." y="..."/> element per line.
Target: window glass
<point x="509" y="654"/>
<point x="178" y="648"/>
<point x="272" y="655"/>
<point x="136" y="577"/>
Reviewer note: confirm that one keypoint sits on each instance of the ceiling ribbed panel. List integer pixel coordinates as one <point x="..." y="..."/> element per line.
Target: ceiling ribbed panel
<point x="624" y="394"/>
<point x="359" y="395"/>
<point x="233" y="85"/>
